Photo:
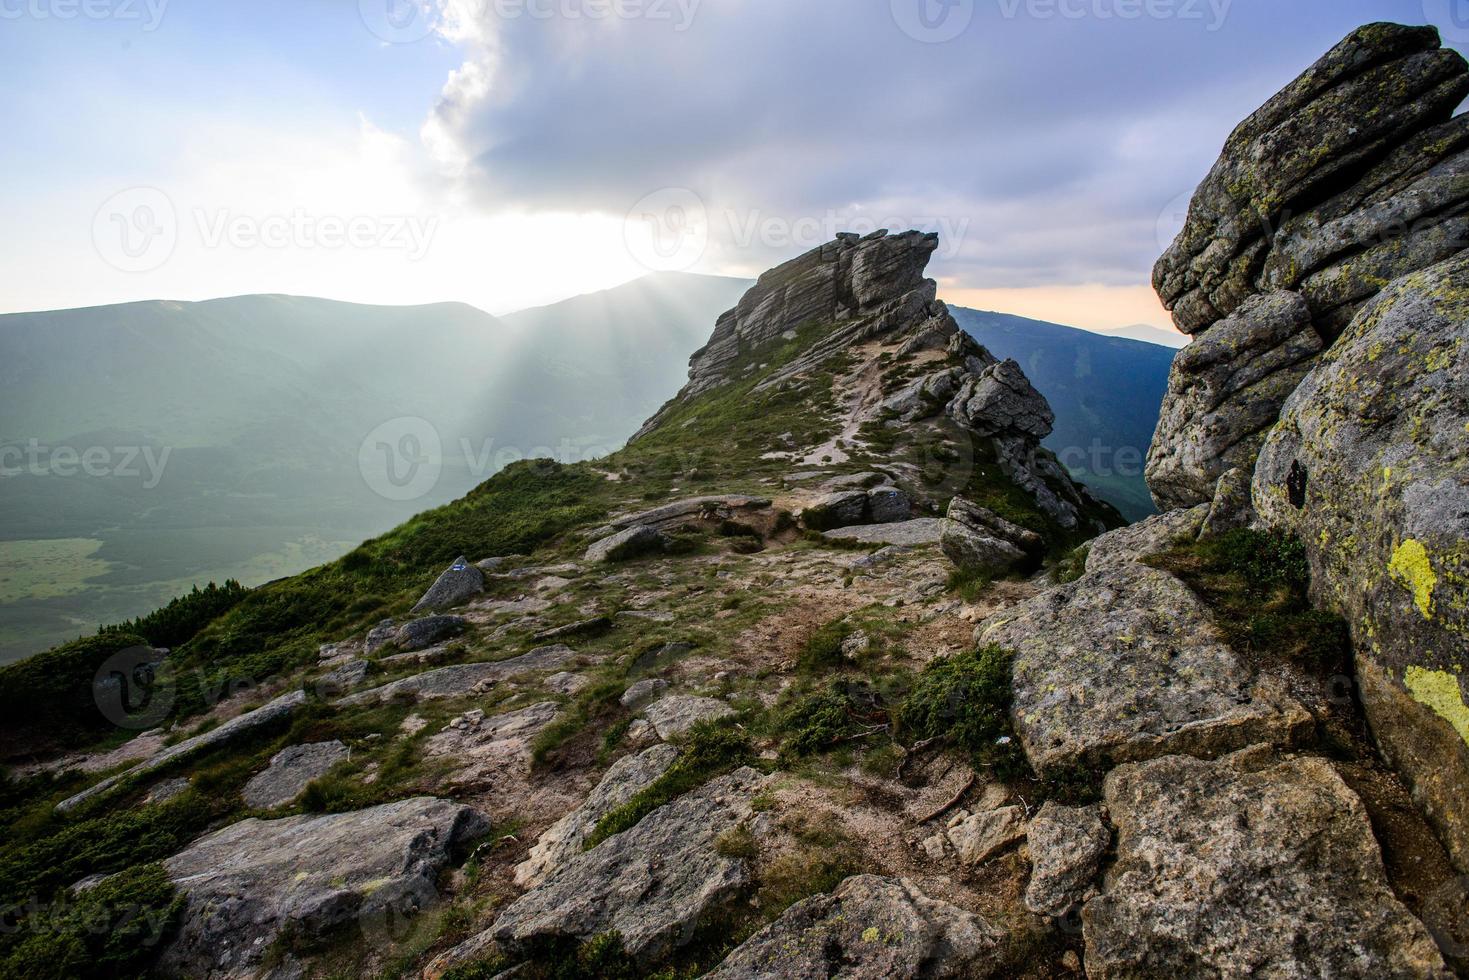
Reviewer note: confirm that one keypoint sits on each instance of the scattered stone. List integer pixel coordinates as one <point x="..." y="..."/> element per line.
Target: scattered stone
<point x="380" y="636"/>
<point x="586" y="627"/>
<point x="1248" y="866"/>
<point x="461" y="679"/>
<point x="981" y="836"/>
<point x="977" y="539"/>
<point x="906" y="534"/>
<point x="677" y="713"/>
<point x="682" y="513"/>
<point x="640" y="539"/>
<point x="290" y="771"/>
<point x="870" y="928"/>
<point x="660" y="656"/>
<point x="247" y="884"/>
<point x="348" y="676"/>
<point x="1127" y="664"/>
<point x="459" y="583"/>
<point x="642" y="692"/>
<point x="652" y="883"/>
<point x="168" y="789"/>
<point x="627" y="777"/>
<point x="266" y="714"/>
<point x="1067" y="844"/>
<point x="566" y="683"/>
<point x="420" y="633"/>
<point x="853" y="481"/>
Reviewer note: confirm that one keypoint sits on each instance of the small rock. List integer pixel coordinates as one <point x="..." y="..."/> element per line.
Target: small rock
<point x="677" y="713"/>
<point x="459" y="583"/>
<point x="167" y="790"/>
<point x="841" y="509"/>
<point x="979" y="837"/>
<point x="643" y="692"/>
<point x="1066" y="848"/>
<point x="350" y="675"/>
<point x="420" y="633"/>
<point x="888" y="505"/>
<point x="586" y="627"/>
<point x="290" y="771"/>
<point x="566" y="683"/>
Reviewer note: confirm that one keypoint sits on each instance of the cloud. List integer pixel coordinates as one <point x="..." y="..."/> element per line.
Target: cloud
<point x="1056" y="143"/>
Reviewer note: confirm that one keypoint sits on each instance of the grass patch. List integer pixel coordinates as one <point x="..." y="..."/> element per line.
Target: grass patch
<point x="597" y="702"/>
<point x="966" y="698"/>
<point x="1073" y="566"/>
<point x="822" y="650"/>
<point x="969" y="583"/>
<point x="1257" y="584"/>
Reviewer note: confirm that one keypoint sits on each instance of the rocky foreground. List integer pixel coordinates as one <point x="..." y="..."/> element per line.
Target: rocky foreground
<point x="835" y="672"/>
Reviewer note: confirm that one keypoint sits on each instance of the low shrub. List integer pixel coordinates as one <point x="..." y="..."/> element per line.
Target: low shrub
<point x="966" y="698"/>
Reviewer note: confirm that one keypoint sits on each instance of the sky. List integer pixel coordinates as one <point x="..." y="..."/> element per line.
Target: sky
<point x="511" y="153"/>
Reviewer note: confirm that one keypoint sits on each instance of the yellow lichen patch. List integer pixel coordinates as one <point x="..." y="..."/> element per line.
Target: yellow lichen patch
<point x="1410" y="565"/>
<point x="871" y="934"/>
<point x="1439" y="690"/>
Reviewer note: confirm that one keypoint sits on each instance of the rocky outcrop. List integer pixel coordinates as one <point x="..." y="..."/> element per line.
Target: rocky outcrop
<point x="1225" y="391"/>
<point x="1067" y="844"/>
<point x="640" y="539"/>
<point x="1248" y="866"/>
<point x="463" y="679"/>
<point x="652" y="883"/>
<point x="627" y="777"/>
<point x="459" y="583"/>
<point x="419" y="634"/>
<point x="267" y="714"/>
<point x="1369" y="469"/>
<point x="1350" y="177"/>
<point x="851" y="294"/>
<point x="247" y="884"/>
<point x="1357" y="129"/>
<point x="907" y="534"/>
<point x="869" y="928"/>
<point x="1127" y="664"/>
<point x="291" y="770"/>
<point x="977" y="539"/>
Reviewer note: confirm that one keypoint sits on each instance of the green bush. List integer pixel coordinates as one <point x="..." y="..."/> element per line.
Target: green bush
<point x="824" y="718"/>
<point x="603" y="957"/>
<point x="49" y="696"/>
<point x="966" y="698"/>
<point x="112" y="930"/>
<point x="1073" y="566"/>
<point x="183" y="618"/>
<point x="822" y="650"/>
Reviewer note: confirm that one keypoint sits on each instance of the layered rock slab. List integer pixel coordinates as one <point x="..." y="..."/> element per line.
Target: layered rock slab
<point x="869" y="928"/>
<point x="652" y="883"/>
<point x="1369" y="469"/>
<point x="290" y="771"/>
<point x="248" y="883"/>
<point x="1244" y="867"/>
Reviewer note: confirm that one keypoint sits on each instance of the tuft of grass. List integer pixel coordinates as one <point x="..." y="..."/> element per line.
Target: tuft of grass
<point x="597" y="702"/>
<point x="969" y="583"/>
<point x="1258" y="585"/>
<point x="710" y="750"/>
<point x="966" y="698"/>
<point x="822" y="650"/>
<point x="1073" y="566"/>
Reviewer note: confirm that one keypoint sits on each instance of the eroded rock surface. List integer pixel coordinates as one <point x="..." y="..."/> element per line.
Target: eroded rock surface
<point x="652" y="883"/>
<point x="869" y="928"/>
<point x="459" y="583"/>
<point x="977" y="539"/>
<point x="1369" y="469"/>
<point x="291" y="770"/>
<point x="1247" y="866"/>
<point x="247" y="883"/>
<point x="677" y="713"/>
<point x="461" y="679"/>
<point x="1067" y="844"/>
<point x="1127" y="664"/>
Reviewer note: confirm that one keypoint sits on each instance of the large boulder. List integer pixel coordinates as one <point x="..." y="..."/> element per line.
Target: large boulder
<point x="418" y="634"/>
<point x="1369" y="468"/>
<point x="1330" y="140"/>
<point x="652" y="883"/>
<point x="1251" y="866"/>
<point x="640" y="539"/>
<point x="1127" y="664"/>
<point x="977" y="539"/>
<point x="459" y="583"/>
<point x="869" y="928"/>
<point x="1225" y="391"/>
<point x="252" y="882"/>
